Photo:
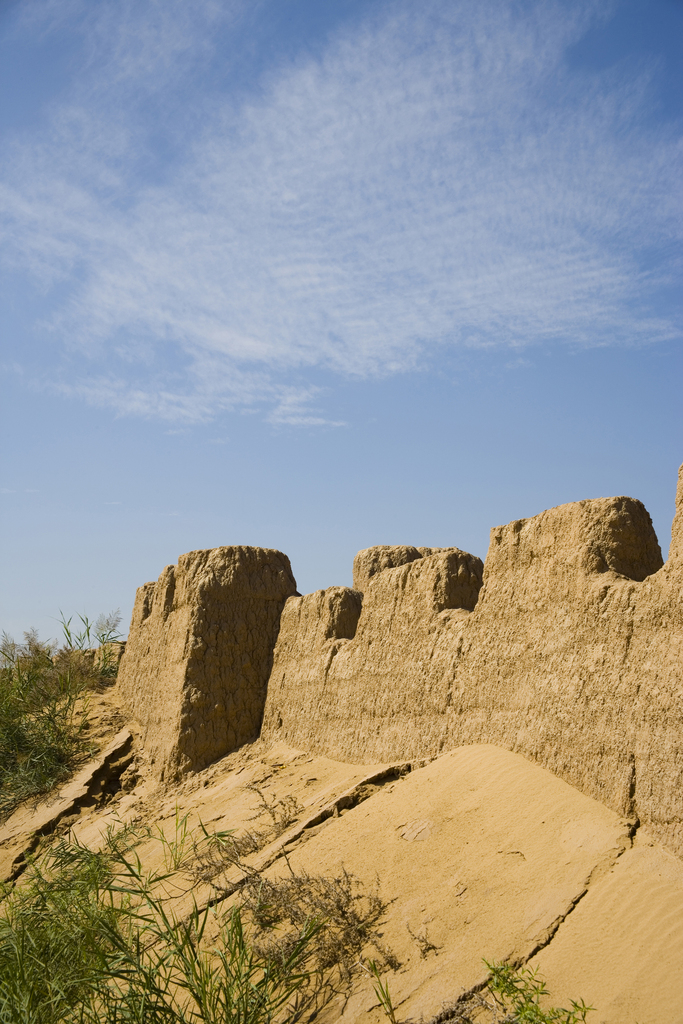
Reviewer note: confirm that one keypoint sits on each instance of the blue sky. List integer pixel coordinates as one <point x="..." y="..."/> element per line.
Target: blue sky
<point x="318" y="275"/>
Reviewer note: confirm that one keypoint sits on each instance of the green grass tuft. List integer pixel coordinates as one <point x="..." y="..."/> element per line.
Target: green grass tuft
<point x="42" y="713"/>
<point x="87" y="937"/>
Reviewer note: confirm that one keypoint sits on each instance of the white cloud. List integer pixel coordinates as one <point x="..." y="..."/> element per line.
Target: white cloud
<point x="438" y="177"/>
<point x="131" y="43"/>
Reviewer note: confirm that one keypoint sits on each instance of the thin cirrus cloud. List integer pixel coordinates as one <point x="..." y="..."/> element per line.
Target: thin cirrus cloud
<point x="436" y="177"/>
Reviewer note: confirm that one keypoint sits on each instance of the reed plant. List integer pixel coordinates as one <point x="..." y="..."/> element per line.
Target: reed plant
<point x="88" y="937"/>
<point x="43" y="714"/>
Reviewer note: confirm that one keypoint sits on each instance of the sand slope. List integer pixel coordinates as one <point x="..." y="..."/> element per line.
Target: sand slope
<point x="478" y="853"/>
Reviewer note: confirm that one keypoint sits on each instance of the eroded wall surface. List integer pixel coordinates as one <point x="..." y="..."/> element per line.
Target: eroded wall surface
<point x="570" y="653"/>
<point x="199" y="652"/>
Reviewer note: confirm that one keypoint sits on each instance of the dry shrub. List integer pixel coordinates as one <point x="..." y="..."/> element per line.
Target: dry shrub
<point x="214" y="855"/>
<point x="280" y="907"/>
<point x="282" y="812"/>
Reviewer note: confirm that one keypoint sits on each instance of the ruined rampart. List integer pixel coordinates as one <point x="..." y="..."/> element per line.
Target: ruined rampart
<point x="567" y="646"/>
<point x="572" y="655"/>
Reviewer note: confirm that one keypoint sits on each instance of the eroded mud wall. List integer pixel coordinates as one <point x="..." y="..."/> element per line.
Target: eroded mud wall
<point x="199" y="653"/>
<point x="571" y="655"/>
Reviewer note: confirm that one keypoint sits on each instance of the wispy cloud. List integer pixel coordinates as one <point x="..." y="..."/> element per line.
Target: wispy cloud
<point x="438" y="177"/>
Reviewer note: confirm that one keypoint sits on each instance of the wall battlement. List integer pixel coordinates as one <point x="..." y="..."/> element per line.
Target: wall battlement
<point x="199" y="652"/>
<point x="566" y="646"/>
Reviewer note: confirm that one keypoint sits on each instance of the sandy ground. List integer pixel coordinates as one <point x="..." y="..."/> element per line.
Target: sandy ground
<point x="476" y="854"/>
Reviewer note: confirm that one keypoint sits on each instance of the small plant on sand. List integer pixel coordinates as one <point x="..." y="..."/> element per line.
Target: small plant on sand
<point x="517" y="993"/>
<point x="177" y="848"/>
<point x="512" y="995"/>
<point x="213" y="859"/>
<point x="282" y="813"/>
<point x="381" y="987"/>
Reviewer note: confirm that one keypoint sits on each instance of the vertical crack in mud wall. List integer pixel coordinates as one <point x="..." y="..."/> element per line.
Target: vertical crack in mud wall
<point x="570" y="653"/>
<point x="199" y="653"/>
